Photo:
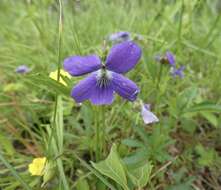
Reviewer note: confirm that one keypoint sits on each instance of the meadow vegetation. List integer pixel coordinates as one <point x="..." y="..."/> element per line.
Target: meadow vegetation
<point x="84" y="146"/>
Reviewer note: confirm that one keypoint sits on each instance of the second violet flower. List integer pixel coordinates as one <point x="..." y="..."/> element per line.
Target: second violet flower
<point x="105" y="78"/>
<point x="169" y="58"/>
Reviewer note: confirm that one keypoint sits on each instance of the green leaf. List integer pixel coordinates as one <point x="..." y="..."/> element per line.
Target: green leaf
<point x="13" y="87"/>
<point x="97" y="174"/>
<point x="187" y="97"/>
<point x="82" y="184"/>
<point x="136" y="158"/>
<point x="207" y="156"/>
<point x="141" y="176"/>
<point x="7" y="145"/>
<point x="189" y="125"/>
<point x="45" y="82"/>
<point x="211" y="118"/>
<point x="204" y="106"/>
<point x="132" y="143"/>
<point x="112" y="167"/>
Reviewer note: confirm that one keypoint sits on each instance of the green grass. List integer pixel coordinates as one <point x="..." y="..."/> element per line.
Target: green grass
<point x="39" y="118"/>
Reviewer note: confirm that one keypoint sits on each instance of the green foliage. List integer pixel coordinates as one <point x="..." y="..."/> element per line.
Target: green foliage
<point x="140" y="176"/>
<point x="39" y="118"/>
<point x="206" y="156"/>
<point x="82" y="184"/>
<point x="113" y="168"/>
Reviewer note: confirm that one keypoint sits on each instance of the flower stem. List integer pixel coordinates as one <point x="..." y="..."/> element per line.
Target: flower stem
<point x="103" y="129"/>
<point x="100" y="132"/>
<point x="97" y="140"/>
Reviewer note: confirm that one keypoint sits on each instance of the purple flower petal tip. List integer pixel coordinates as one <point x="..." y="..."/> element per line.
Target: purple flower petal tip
<point x="22" y="69"/>
<point x="125" y="87"/>
<point x="80" y="65"/>
<point x="147" y="106"/>
<point x="178" y="72"/>
<point x="147" y="115"/>
<point x="170" y="58"/>
<point x="120" y="36"/>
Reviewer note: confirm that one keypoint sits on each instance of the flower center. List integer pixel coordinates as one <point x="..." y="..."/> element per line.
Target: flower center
<point x="103" y="77"/>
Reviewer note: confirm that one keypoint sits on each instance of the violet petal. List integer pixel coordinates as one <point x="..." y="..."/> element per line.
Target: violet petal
<point x="120" y="36"/>
<point x="178" y="72"/>
<point x="148" y="116"/>
<point x="102" y="95"/>
<point x="123" y="57"/>
<point x="22" y="69"/>
<point x="83" y="90"/>
<point x="171" y="58"/>
<point x="80" y="65"/>
<point x="124" y="87"/>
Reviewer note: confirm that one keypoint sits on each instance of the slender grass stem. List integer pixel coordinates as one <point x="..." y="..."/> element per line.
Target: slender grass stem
<point x="57" y="125"/>
<point x="212" y="28"/>
<point x="180" y="22"/>
<point x="60" y="28"/>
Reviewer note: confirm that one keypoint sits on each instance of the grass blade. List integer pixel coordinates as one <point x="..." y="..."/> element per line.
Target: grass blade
<point x="14" y="172"/>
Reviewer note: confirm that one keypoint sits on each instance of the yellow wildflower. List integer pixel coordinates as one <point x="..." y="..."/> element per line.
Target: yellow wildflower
<point x="53" y="75"/>
<point x="37" y="166"/>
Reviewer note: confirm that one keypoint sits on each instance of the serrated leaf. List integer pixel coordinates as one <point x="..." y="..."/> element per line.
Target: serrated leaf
<point x="112" y="167"/>
<point x="141" y="176"/>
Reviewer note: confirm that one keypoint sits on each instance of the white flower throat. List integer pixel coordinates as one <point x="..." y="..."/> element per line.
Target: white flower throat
<point x="103" y="77"/>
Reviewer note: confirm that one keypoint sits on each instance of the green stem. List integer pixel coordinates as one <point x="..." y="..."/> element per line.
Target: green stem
<point x="100" y="132"/>
<point x="180" y="22"/>
<point x="57" y="125"/>
<point x="97" y="141"/>
<point x="213" y="27"/>
<point x="103" y="144"/>
<point x="60" y="27"/>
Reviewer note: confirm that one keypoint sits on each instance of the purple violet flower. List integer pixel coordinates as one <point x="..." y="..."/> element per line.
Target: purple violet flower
<point x="22" y="69"/>
<point x="167" y="58"/>
<point x="105" y="79"/>
<point x="147" y="115"/>
<point x="120" y="37"/>
<point x="178" y="72"/>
